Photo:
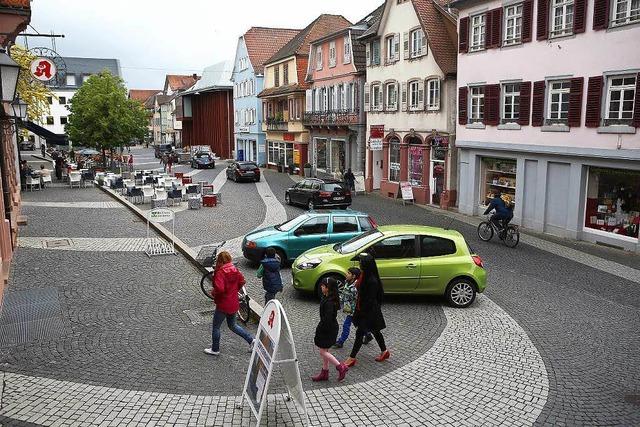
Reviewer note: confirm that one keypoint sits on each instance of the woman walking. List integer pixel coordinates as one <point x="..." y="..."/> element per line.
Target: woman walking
<point x="227" y="281"/>
<point x="368" y="315"/>
<point x="327" y="330"/>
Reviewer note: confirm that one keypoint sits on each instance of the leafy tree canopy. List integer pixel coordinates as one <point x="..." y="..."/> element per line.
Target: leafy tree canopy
<point x="101" y="116"/>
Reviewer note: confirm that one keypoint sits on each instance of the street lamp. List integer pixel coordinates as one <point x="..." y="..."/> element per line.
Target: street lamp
<point x="19" y="109"/>
<point x="9" y="71"/>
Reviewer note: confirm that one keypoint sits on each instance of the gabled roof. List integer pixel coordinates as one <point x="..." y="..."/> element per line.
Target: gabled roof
<point x="441" y="30"/>
<point x="142" y="94"/>
<point x="321" y="26"/>
<point x="214" y="77"/>
<point x="372" y="20"/>
<point x="263" y="42"/>
<point x="180" y="82"/>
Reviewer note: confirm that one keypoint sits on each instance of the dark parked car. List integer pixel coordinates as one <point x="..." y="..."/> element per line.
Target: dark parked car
<point x="243" y="171"/>
<point x="163" y="149"/>
<point x="27" y="146"/>
<point x="314" y="193"/>
<point x="202" y="159"/>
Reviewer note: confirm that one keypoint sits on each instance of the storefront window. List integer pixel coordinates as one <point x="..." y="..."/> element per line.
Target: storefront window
<point x="321" y="154"/>
<point x="337" y="156"/>
<point x="498" y="176"/>
<point x="394" y="160"/>
<point x="280" y="153"/>
<point x="438" y="155"/>
<point x="613" y="201"/>
<point x="415" y="165"/>
<point x="289" y="153"/>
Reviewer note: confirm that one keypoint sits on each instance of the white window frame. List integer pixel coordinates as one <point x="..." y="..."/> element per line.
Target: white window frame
<point x="433" y="94"/>
<point x="510" y="96"/>
<point x="623" y="89"/>
<point x="476" y="104"/>
<point x="376" y="47"/>
<point x="628" y="14"/>
<point x="376" y="97"/>
<point x="391" y="106"/>
<point x="332" y="54"/>
<point x="319" y="58"/>
<point x="562" y="88"/>
<point x="346" y="57"/>
<point x="513" y="24"/>
<point x="416" y="38"/>
<point x="413" y="88"/>
<point x="390" y="48"/>
<point x="71" y="80"/>
<point x="478" y="32"/>
<point x="563" y="9"/>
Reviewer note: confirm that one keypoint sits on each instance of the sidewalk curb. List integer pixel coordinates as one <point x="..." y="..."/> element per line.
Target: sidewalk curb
<point x="183" y="248"/>
<point x="1" y="387"/>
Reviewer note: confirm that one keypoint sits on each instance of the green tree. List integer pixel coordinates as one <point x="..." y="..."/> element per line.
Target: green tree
<point x="102" y="117"/>
<point x="30" y="90"/>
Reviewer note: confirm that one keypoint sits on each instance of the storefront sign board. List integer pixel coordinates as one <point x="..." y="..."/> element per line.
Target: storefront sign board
<point x="296" y="157"/>
<point x="43" y="69"/>
<point x="375" y="144"/>
<point x="288" y="137"/>
<point x="160" y="215"/>
<point x="376" y="131"/>
<point x="407" y="191"/>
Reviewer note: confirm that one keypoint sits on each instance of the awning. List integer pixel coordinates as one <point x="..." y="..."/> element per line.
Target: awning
<point x="50" y="137"/>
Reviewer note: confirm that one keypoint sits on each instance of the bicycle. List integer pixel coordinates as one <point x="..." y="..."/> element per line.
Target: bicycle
<point x="510" y="236"/>
<point x="206" y="285"/>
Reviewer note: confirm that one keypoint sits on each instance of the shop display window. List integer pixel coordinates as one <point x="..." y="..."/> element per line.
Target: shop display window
<point x="613" y="201"/>
<point x="498" y="175"/>
<point x="394" y="160"/>
<point x="416" y="165"/>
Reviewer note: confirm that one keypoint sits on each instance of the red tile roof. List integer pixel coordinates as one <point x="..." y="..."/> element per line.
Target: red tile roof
<point x="323" y="25"/>
<point x="22" y="4"/>
<point x="142" y="94"/>
<point x="441" y="30"/>
<point x="263" y="42"/>
<point x="180" y="82"/>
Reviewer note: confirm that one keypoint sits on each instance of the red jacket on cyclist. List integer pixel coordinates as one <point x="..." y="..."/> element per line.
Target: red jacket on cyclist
<point x="227" y="282"/>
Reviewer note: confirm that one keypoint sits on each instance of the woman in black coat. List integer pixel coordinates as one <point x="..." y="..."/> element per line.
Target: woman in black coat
<point x="368" y="315"/>
<point x="327" y="330"/>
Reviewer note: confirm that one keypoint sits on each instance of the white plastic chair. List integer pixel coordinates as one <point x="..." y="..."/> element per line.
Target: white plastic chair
<point x="160" y="200"/>
<point x="148" y="193"/>
<point x="75" y="178"/>
<point x="46" y="179"/>
<point x="33" y="182"/>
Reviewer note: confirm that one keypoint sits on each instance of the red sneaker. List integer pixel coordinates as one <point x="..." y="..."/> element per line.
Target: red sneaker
<point x="322" y="376"/>
<point x="383" y="356"/>
<point x="342" y="371"/>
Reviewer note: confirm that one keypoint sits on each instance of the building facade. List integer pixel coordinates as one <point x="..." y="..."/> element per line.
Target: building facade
<point x="174" y="85"/>
<point x="283" y="96"/>
<point x="334" y="111"/>
<point x="549" y="115"/>
<point x="146" y="98"/>
<point x="256" y="46"/>
<point x="410" y="101"/>
<point x="207" y="111"/>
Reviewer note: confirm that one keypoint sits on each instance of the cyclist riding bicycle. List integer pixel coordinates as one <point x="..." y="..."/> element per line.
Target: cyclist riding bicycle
<point x="504" y="211"/>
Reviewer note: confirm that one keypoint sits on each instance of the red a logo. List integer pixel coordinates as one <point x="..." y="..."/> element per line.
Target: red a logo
<point x="43" y="69"/>
<point x="271" y="318"/>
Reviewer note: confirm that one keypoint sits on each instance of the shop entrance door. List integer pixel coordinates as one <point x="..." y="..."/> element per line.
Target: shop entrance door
<point x="438" y="156"/>
<point x="378" y="165"/>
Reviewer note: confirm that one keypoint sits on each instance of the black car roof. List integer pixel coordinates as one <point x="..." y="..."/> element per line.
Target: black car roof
<point x="324" y="181"/>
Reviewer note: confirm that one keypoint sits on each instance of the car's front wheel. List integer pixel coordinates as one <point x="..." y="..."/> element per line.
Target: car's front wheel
<point x="337" y="277"/>
<point x="461" y="293"/>
<point x="287" y="198"/>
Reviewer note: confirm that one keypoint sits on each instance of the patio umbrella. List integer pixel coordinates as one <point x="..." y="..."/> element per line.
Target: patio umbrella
<point x="88" y="152"/>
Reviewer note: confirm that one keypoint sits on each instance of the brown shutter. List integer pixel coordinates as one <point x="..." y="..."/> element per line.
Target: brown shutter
<point x="636" y="108"/>
<point x="601" y="14"/>
<point x="537" y="104"/>
<point x="579" y="16"/>
<point x="463" y="43"/>
<point x="527" y="20"/>
<point x="462" y="105"/>
<point x="525" y="103"/>
<point x="491" y="105"/>
<point x="594" y="102"/>
<point x="575" y="102"/>
<point x="493" y="36"/>
<point x="543" y="20"/>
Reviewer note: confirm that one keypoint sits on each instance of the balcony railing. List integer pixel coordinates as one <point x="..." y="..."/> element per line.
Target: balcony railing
<point x="277" y="125"/>
<point x="336" y="118"/>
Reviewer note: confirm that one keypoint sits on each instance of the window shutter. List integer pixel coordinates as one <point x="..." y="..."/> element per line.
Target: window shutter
<point x="527" y="18"/>
<point x="525" y="103"/>
<point x="594" y="102"/>
<point x="396" y="42"/>
<point x="537" y="104"/>
<point x="491" y="105"/>
<point x="367" y="96"/>
<point x="463" y="37"/>
<point x="601" y="14"/>
<point x="462" y="105"/>
<point x="420" y="96"/>
<point x="403" y="98"/>
<point x="334" y="105"/>
<point x="575" y="102"/>
<point x="406" y="45"/>
<point x="309" y="95"/>
<point x="423" y="44"/>
<point x="542" y="29"/>
<point x="636" y="108"/>
<point x="579" y="16"/>
<point x="368" y="54"/>
<point x="397" y="107"/>
<point x="494" y="28"/>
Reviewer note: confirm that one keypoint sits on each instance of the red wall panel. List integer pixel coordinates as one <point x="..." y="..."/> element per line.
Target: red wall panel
<point x="212" y="122"/>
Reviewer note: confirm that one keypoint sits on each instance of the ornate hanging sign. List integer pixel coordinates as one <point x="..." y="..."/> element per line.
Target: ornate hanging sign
<point x="48" y="67"/>
<point x="43" y="69"/>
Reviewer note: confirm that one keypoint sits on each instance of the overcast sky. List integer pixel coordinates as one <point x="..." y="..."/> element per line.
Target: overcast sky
<point x="152" y="38"/>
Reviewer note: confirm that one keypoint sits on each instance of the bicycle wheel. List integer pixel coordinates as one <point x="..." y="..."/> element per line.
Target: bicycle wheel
<point x="243" y="312"/>
<point x="485" y="231"/>
<point x="206" y="285"/>
<point x="512" y="237"/>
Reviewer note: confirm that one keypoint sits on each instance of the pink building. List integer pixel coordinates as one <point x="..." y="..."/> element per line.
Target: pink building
<point x="548" y="112"/>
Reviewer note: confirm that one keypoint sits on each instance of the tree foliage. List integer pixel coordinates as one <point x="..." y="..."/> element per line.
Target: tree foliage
<point x="101" y="115"/>
<point x="30" y="90"/>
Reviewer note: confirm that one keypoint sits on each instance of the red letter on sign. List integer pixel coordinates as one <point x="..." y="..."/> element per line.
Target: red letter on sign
<point x="271" y="317"/>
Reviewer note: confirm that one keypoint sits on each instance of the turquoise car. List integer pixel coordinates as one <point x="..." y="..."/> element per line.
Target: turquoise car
<point x="315" y="228"/>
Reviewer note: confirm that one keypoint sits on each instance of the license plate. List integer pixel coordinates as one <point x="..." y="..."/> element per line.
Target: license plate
<point x="249" y="173"/>
<point x="338" y="198"/>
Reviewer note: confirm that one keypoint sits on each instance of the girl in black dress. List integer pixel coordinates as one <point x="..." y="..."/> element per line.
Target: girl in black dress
<point x="327" y="330"/>
<point x="368" y="315"/>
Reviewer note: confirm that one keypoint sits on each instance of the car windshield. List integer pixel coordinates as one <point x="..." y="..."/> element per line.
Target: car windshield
<point x="200" y="155"/>
<point x="287" y="226"/>
<point x="357" y="242"/>
<point x="247" y="166"/>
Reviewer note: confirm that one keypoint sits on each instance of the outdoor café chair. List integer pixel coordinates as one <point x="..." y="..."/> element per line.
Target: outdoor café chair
<point x="45" y="179"/>
<point x="74" y="179"/>
<point x="65" y="174"/>
<point x="160" y="199"/>
<point x="135" y="195"/>
<point x="118" y="184"/>
<point x="175" y="196"/>
<point x="147" y="194"/>
<point x="87" y="176"/>
<point x="33" y="182"/>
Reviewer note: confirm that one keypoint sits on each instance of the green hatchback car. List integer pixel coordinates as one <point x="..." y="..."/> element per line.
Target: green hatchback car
<point x="411" y="259"/>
